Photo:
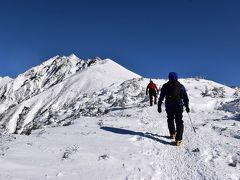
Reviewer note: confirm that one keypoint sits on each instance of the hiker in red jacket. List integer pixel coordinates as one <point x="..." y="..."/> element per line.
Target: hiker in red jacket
<point x="152" y="90"/>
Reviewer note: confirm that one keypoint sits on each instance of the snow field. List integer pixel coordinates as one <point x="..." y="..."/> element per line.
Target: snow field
<point x="92" y="120"/>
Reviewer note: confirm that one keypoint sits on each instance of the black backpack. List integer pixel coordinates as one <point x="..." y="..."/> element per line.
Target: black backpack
<point x="173" y="91"/>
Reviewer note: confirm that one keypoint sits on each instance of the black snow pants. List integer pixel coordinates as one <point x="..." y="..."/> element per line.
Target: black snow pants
<point x="174" y="116"/>
<point x="152" y="94"/>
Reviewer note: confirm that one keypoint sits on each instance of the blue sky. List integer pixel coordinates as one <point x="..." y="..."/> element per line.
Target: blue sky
<point x="149" y="37"/>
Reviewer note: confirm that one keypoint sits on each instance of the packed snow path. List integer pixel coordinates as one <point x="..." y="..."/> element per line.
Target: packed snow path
<point x="169" y="161"/>
<point x="165" y="159"/>
<point x="128" y="143"/>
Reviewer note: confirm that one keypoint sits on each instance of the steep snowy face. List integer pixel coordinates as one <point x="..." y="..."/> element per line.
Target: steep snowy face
<point x="39" y="78"/>
<point x="53" y="85"/>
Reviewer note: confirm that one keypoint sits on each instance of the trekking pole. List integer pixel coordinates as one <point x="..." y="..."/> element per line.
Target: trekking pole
<point x="197" y="149"/>
<point x="191" y="123"/>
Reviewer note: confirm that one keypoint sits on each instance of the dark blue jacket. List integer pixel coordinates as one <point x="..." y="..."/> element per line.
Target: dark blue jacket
<point x="182" y="98"/>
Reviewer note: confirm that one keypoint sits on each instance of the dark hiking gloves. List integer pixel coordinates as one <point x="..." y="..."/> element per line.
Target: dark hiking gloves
<point x="187" y="109"/>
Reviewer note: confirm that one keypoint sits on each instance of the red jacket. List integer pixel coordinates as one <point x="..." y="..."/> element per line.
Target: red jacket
<point x="152" y="86"/>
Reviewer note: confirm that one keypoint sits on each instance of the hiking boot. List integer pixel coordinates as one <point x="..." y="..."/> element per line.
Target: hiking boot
<point x="173" y="136"/>
<point x="178" y="142"/>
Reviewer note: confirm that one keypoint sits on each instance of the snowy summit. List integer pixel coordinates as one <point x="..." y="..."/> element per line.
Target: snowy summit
<point x="70" y="118"/>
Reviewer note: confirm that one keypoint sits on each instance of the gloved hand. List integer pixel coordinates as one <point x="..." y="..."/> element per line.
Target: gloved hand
<point x="187" y="109"/>
<point x="159" y="109"/>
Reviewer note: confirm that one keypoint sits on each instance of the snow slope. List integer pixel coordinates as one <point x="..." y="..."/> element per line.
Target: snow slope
<point x="106" y="129"/>
<point x="129" y="143"/>
<point x="4" y="80"/>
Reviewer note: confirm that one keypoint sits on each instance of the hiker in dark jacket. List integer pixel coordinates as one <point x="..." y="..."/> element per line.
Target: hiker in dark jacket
<point x="152" y="90"/>
<point x="175" y="98"/>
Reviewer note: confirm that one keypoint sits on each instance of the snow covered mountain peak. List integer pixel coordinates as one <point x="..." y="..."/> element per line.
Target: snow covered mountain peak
<point x="54" y="71"/>
<point x="66" y="87"/>
<point x="52" y="85"/>
<point x="72" y="56"/>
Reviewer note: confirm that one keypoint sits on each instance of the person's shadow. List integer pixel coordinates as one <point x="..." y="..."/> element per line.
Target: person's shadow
<point x="152" y="136"/>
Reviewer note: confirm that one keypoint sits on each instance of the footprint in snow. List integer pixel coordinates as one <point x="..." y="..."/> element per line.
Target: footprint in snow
<point x="234" y="160"/>
<point x="29" y="144"/>
<point x="3" y="150"/>
<point x="100" y="123"/>
<point x="136" y="138"/>
<point x="69" y="152"/>
<point x="60" y="174"/>
<point x="103" y="157"/>
<point x="210" y="156"/>
<point x="237" y="136"/>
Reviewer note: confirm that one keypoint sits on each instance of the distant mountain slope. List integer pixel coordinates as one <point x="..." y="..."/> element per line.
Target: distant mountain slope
<point x="65" y="88"/>
<point x="52" y="85"/>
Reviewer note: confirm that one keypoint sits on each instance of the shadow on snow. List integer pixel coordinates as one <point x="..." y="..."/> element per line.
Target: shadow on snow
<point x="151" y="136"/>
